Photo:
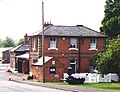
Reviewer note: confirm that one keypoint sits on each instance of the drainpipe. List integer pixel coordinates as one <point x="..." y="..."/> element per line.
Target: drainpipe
<point x="79" y="50"/>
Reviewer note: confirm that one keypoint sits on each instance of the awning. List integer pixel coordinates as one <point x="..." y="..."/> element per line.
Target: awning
<point x="26" y="55"/>
<point x="40" y="60"/>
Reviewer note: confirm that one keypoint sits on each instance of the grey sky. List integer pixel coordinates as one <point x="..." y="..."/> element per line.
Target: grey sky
<point x="18" y="17"/>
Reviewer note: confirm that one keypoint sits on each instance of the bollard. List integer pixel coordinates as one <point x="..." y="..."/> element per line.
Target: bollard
<point x="23" y="78"/>
<point x="10" y="78"/>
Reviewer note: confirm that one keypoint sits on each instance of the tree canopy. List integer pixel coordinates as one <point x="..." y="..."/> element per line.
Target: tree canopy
<point x="111" y="20"/>
<point x="108" y="61"/>
<point x="20" y="41"/>
<point x="0" y="42"/>
<point x="8" y="42"/>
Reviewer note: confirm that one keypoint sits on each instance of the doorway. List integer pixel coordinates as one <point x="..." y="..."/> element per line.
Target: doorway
<point x="73" y="65"/>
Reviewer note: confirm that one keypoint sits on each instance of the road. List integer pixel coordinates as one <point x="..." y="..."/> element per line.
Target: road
<point x="11" y="86"/>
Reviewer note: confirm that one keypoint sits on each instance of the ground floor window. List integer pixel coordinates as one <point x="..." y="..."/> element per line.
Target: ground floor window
<point x="52" y="70"/>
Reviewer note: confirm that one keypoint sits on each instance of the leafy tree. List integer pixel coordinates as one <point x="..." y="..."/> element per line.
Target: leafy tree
<point x="20" y="41"/>
<point x="108" y="61"/>
<point x="0" y="43"/>
<point x="8" y="42"/>
<point x="111" y="21"/>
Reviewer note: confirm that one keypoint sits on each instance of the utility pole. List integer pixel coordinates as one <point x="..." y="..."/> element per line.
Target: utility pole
<point x="43" y="70"/>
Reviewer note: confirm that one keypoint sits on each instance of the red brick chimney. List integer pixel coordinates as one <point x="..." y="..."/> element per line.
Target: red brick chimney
<point x="46" y="24"/>
<point x="26" y="39"/>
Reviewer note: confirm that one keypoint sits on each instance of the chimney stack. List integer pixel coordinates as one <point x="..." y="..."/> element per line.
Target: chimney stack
<point x="26" y="39"/>
<point x="46" y="24"/>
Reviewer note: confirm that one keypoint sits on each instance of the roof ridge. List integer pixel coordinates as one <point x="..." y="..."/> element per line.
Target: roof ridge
<point x="66" y="26"/>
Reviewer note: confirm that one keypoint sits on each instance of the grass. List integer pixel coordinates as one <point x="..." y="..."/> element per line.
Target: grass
<point x="108" y="86"/>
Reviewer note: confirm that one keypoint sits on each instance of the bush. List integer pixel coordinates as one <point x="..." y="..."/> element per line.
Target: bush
<point x="30" y="77"/>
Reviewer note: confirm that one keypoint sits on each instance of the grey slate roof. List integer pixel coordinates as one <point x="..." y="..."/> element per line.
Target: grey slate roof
<point x="74" y="31"/>
<point x="14" y="49"/>
<point x="21" y="47"/>
<point x="24" y="47"/>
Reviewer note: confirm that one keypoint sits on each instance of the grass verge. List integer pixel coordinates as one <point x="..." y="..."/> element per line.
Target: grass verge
<point x="108" y="86"/>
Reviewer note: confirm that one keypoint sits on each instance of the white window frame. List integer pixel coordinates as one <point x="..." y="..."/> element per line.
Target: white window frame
<point x="73" y="44"/>
<point x="53" y="43"/>
<point x="93" y="44"/>
<point x="33" y="44"/>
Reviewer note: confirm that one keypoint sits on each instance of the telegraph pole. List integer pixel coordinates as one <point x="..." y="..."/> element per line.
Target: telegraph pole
<point x="43" y="70"/>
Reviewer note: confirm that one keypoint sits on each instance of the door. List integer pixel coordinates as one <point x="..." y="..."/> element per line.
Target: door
<point x="27" y="63"/>
<point x="73" y="65"/>
<point x="19" y="66"/>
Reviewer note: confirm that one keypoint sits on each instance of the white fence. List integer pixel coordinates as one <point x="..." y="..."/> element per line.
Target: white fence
<point x="95" y="78"/>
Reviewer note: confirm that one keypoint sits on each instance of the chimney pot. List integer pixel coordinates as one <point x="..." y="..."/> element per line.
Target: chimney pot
<point x="46" y="24"/>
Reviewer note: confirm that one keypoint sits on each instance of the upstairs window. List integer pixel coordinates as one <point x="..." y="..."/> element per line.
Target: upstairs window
<point x="53" y="43"/>
<point x="73" y="43"/>
<point x="93" y="44"/>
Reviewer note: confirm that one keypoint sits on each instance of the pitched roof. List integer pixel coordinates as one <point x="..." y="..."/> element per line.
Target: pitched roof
<point x="5" y="49"/>
<point x="40" y="61"/>
<point x="12" y="50"/>
<point x="26" y="55"/>
<point x="35" y="33"/>
<point x="22" y="47"/>
<point x="75" y="31"/>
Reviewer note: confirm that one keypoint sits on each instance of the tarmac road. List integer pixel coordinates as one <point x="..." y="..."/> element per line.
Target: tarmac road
<point x="18" y="85"/>
<point x="11" y="86"/>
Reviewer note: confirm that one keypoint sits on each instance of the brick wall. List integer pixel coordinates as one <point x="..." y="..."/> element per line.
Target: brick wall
<point x="12" y="59"/>
<point x="62" y="57"/>
<point x="63" y="53"/>
<point x="37" y="71"/>
<point x="6" y="56"/>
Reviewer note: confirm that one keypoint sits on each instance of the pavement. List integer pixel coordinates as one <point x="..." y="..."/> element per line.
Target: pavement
<point x="20" y="78"/>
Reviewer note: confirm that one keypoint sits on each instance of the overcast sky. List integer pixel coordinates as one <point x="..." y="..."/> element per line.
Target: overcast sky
<point x="18" y="17"/>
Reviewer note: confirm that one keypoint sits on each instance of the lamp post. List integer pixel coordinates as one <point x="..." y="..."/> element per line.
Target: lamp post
<point x="43" y="70"/>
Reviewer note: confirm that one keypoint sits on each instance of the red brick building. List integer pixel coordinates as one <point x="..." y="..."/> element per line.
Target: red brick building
<point x="5" y="55"/>
<point x="19" y="57"/>
<point x="63" y="46"/>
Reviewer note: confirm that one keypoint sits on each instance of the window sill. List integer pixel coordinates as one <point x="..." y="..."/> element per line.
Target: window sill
<point x="52" y="48"/>
<point x="73" y="48"/>
<point x="93" y="49"/>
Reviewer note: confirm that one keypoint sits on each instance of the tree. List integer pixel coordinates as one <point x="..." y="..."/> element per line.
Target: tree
<point x="0" y="43"/>
<point x="111" y="21"/>
<point x="20" y="41"/>
<point x="8" y="42"/>
<point x="108" y="61"/>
